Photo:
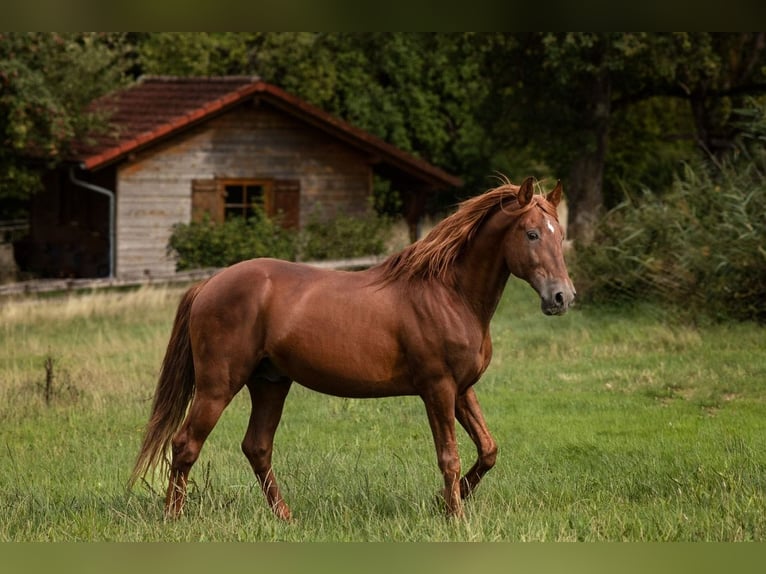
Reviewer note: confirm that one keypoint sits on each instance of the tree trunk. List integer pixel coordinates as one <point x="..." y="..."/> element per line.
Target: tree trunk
<point x="585" y="196"/>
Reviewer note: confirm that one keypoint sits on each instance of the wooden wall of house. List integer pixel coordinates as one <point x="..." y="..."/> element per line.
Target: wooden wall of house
<point x="252" y="141"/>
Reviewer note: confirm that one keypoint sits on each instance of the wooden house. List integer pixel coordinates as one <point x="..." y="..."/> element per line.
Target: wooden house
<point x="184" y="147"/>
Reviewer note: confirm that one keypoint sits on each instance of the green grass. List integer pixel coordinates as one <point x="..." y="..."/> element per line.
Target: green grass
<point x="612" y="425"/>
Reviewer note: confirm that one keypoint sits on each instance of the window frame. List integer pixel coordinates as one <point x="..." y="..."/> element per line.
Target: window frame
<point x="266" y="184"/>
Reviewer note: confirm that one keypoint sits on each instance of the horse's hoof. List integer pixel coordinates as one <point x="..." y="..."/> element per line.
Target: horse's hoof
<point x="283" y="512"/>
<point x="440" y="501"/>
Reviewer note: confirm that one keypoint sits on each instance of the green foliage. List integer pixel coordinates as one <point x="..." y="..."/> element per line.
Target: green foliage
<point x="608" y="109"/>
<point x="207" y="244"/>
<point x="344" y="236"/>
<point x="645" y="147"/>
<point x="43" y="96"/>
<point x="194" y="53"/>
<point x="700" y="247"/>
<point x="550" y="88"/>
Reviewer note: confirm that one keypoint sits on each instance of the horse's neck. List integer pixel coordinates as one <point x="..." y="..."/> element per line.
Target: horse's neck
<point x="483" y="272"/>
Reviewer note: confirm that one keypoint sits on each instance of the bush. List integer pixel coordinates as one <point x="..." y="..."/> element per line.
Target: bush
<point x="207" y="244"/>
<point x="344" y="237"/>
<point x="701" y="247"/>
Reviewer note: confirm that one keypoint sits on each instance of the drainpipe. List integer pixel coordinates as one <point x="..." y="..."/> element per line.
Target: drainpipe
<point x="110" y="195"/>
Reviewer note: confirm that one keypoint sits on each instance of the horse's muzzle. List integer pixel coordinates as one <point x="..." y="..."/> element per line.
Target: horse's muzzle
<point x="557" y="299"/>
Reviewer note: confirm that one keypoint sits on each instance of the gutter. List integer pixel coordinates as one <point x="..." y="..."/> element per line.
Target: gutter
<point x="110" y="195"/>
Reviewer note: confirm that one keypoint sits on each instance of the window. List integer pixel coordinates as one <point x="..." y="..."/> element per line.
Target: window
<point x="245" y="198"/>
<point x="221" y="199"/>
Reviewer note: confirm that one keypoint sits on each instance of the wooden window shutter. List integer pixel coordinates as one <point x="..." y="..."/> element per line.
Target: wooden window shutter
<point x="206" y="198"/>
<point x="287" y="202"/>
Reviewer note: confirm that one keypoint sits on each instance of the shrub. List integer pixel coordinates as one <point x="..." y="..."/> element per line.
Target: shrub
<point x="701" y="247"/>
<point x="344" y="237"/>
<point x="207" y="244"/>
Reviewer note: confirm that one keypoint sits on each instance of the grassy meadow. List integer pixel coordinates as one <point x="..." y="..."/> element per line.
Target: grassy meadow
<point x="616" y="425"/>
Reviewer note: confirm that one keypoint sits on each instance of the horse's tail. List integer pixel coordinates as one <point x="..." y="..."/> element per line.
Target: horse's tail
<point x="174" y="392"/>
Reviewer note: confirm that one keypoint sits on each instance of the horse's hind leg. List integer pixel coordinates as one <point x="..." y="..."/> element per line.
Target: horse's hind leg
<point x="469" y="415"/>
<point x="210" y="399"/>
<point x="268" y="398"/>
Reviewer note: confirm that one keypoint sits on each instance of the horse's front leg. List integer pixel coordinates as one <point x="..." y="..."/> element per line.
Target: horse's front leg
<point x="439" y="399"/>
<point x="469" y="415"/>
<point x="268" y="398"/>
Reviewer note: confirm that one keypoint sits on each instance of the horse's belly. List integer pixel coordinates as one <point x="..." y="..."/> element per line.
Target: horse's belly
<point x="364" y="371"/>
<point x="348" y="365"/>
<point x="332" y="384"/>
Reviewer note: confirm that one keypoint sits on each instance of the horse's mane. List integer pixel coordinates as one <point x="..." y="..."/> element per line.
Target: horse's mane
<point x="432" y="257"/>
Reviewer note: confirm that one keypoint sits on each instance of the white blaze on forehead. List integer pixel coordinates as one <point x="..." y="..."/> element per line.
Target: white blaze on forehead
<point x="550" y="225"/>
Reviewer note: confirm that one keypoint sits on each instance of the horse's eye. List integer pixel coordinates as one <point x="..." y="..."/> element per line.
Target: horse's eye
<point x="533" y="235"/>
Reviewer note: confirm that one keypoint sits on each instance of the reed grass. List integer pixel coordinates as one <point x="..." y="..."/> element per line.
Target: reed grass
<point x="698" y="247"/>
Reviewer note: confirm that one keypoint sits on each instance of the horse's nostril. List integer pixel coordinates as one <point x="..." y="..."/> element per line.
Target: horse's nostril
<point x="559" y="297"/>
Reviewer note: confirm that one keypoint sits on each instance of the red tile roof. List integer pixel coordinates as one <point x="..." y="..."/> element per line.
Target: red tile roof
<point x="157" y="107"/>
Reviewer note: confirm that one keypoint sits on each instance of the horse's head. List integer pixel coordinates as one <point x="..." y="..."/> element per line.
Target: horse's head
<point x="533" y="248"/>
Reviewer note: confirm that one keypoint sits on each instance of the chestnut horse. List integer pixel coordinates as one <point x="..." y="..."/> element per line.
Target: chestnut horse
<point x="417" y="324"/>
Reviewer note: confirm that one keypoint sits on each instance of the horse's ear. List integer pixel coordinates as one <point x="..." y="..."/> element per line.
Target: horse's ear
<point x="526" y="191"/>
<point x="554" y="197"/>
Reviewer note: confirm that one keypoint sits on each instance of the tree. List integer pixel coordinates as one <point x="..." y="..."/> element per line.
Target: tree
<point x="560" y="93"/>
<point x="42" y="98"/>
<point x="193" y="53"/>
<point x="731" y="66"/>
<point x="419" y="91"/>
<point x="561" y="99"/>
